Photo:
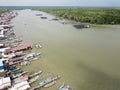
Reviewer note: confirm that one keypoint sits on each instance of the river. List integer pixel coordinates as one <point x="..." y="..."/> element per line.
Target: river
<point x="87" y="59"/>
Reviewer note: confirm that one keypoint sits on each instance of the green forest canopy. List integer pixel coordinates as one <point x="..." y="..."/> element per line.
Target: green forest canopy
<point x="87" y="15"/>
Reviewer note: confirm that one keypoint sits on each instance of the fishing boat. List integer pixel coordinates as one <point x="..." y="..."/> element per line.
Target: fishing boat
<point x="31" y="56"/>
<point x="43" y="17"/>
<point x="15" y="69"/>
<point x="39" y="14"/>
<point x="4" y="83"/>
<point x="50" y="84"/>
<point x="21" y="86"/>
<point x="34" y="79"/>
<point x="15" y="60"/>
<point x="45" y="82"/>
<point x="49" y="80"/>
<point x="17" y="40"/>
<point x="65" y="87"/>
<point x="36" y="73"/>
<point x="20" y="79"/>
<point x="25" y="63"/>
<point x="38" y="45"/>
<point x="19" y="48"/>
<point x="19" y="74"/>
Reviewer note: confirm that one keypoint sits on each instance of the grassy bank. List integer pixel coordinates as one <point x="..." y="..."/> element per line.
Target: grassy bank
<point x="87" y="15"/>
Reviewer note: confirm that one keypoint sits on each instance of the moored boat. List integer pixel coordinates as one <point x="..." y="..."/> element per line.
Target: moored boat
<point x="45" y="82"/>
<point x="34" y="79"/>
<point x="20" y="79"/>
<point x="50" y="84"/>
<point x="36" y="73"/>
<point x="31" y="56"/>
<point x="65" y="87"/>
<point x="19" y="74"/>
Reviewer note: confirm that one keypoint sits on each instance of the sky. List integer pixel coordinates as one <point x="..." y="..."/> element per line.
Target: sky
<point x="107" y="3"/>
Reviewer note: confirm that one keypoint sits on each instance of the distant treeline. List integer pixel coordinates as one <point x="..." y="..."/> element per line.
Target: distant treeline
<point x="4" y="10"/>
<point x="87" y="15"/>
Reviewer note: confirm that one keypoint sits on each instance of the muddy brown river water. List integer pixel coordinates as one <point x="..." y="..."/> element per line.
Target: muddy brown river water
<point x="87" y="59"/>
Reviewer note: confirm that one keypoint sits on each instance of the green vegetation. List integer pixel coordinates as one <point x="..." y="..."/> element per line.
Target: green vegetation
<point x="4" y="10"/>
<point x="87" y="15"/>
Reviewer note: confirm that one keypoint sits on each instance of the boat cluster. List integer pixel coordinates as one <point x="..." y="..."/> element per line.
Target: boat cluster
<point x="12" y="54"/>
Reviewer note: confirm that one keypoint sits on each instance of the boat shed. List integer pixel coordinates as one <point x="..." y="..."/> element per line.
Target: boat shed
<point x="4" y="83"/>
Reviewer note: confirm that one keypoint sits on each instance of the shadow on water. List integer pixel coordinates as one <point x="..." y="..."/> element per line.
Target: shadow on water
<point x="97" y="80"/>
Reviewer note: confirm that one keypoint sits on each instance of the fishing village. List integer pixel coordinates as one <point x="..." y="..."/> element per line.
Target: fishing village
<point x="14" y="56"/>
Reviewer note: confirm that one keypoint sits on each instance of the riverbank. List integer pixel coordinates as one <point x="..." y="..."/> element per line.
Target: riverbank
<point x="86" y="15"/>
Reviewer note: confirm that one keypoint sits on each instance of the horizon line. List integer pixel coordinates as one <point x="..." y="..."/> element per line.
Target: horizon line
<point x="56" y="6"/>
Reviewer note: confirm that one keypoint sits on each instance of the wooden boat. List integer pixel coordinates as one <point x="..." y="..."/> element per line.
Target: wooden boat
<point x="20" y="79"/>
<point x="43" y="17"/>
<point x="17" y="40"/>
<point x="39" y="14"/>
<point x="19" y="48"/>
<point x="15" y="57"/>
<point x="20" y="86"/>
<point x="19" y="74"/>
<point x="38" y="46"/>
<point x="34" y="79"/>
<point x="25" y="63"/>
<point x="14" y="60"/>
<point x="36" y="73"/>
<point x="64" y="87"/>
<point x="82" y="26"/>
<point x="31" y="56"/>
<point x="50" y="84"/>
<point x="4" y="83"/>
<point x="15" y="69"/>
<point x="45" y="82"/>
<point x="48" y="80"/>
<point x="13" y="63"/>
